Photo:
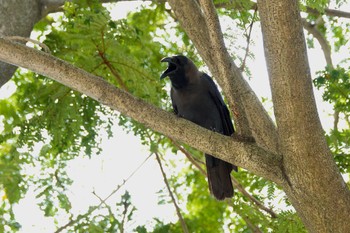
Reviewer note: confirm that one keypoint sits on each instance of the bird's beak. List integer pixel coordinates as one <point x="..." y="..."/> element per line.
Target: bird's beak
<point x="166" y="59"/>
<point x="169" y="69"/>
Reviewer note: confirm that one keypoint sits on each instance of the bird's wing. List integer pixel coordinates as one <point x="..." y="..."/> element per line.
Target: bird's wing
<point x="227" y="128"/>
<point x="173" y="102"/>
<point x="220" y="104"/>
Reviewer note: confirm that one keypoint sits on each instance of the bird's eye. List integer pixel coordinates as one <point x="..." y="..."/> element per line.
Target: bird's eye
<point x="178" y="61"/>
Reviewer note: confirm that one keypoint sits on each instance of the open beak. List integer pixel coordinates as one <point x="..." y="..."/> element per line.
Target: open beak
<point x="171" y="67"/>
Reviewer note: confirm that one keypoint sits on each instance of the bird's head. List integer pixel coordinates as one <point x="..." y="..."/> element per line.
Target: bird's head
<point x="178" y="66"/>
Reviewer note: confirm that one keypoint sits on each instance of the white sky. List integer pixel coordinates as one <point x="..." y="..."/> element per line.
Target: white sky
<point x="124" y="153"/>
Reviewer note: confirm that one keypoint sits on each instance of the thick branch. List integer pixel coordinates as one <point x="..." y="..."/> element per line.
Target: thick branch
<point x="312" y="175"/>
<point x="17" y="17"/>
<point x="330" y="12"/>
<point x="246" y="155"/>
<point x="320" y="38"/>
<point x="249" y="115"/>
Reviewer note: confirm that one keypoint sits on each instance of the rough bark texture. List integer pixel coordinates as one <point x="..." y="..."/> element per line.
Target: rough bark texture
<point x="203" y="27"/>
<point x="231" y="149"/>
<point x="294" y="155"/>
<point x="17" y="18"/>
<point x="315" y="186"/>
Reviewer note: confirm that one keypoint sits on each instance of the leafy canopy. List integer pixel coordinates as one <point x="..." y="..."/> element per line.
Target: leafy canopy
<point x="45" y="124"/>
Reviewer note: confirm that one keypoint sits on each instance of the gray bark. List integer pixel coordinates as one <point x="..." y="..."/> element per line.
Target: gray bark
<point x="315" y="185"/>
<point x="204" y="30"/>
<point x="17" y="18"/>
<point x="294" y="154"/>
<point x="231" y="149"/>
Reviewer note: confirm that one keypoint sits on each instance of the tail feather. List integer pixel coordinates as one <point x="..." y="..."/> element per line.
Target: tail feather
<point x="219" y="177"/>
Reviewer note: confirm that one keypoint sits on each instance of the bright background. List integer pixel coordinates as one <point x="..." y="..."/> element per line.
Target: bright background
<point x="123" y="153"/>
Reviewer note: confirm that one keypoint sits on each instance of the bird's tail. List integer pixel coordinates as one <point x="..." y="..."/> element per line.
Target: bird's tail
<point x="219" y="177"/>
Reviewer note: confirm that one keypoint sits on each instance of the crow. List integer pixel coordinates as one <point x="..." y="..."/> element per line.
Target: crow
<point x="196" y="98"/>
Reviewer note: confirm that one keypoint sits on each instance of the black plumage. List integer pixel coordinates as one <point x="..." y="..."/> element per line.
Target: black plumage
<point x="195" y="97"/>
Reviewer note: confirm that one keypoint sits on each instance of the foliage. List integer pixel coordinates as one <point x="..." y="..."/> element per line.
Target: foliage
<point x="336" y="85"/>
<point x="109" y="219"/>
<point x="45" y="124"/>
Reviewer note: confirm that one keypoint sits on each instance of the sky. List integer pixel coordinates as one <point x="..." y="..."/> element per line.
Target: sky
<point x="123" y="153"/>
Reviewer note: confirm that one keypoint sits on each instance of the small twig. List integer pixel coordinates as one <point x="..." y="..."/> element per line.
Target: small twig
<point x="178" y="211"/>
<point x="248" y="40"/>
<point x="252" y="199"/>
<point x="249" y="223"/>
<point x="172" y="196"/>
<point x="103" y="201"/>
<point x="235" y="182"/>
<point x="111" y="215"/>
<point x="24" y="39"/>
<point x="336" y="120"/>
<point x="191" y="158"/>
<point x="105" y="61"/>
<point x="134" y="69"/>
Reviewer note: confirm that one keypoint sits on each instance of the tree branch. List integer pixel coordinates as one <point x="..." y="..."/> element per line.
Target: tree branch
<point x="25" y="40"/>
<point x="190" y="157"/>
<point x="53" y="6"/>
<point x="250" y="117"/>
<point x="330" y="12"/>
<point x="243" y="154"/>
<point x="235" y="183"/>
<point x="177" y="208"/>
<point x="17" y="17"/>
<point x="308" y="164"/>
<point x="242" y="68"/>
<point x="327" y="11"/>
<point x="250" y="224"/>
<point x="102" y="201"/>
<point x="312" y="29"/>
<point x="243" y="215"/>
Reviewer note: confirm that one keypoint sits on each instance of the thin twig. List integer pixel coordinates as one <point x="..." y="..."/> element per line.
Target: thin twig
<point x="73" y="221"/>
<point x="178" y="211"/>
<point x="244" y="216"/>
<point x="191" y="158"/>
<point x="250" y="224"/>
<point x="336" y="120"/>
<point x="101" y="54"/>
<point x="111" y="215"/>
<point x="235" y="182"/>
<point x="248" y="40"/>
<point x="172" y="196"/>
<point x="252" y="199"/>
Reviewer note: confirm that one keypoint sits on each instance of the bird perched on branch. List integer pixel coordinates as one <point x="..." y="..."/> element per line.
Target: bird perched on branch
<point x="196" y="98"/>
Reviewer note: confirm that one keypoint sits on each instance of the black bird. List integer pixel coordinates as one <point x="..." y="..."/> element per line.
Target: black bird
<point x="195" y="97"/>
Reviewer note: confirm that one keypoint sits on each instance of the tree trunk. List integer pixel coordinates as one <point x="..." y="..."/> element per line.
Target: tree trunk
<point x="17" y="18"/>
<point x="307" y="171"/>
<point x="234" y="150"/>
<point x="315" y="186"/>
